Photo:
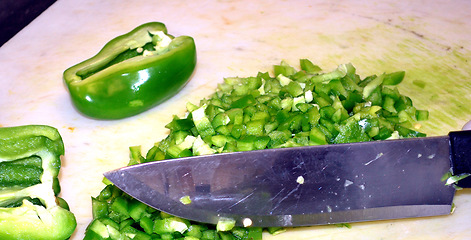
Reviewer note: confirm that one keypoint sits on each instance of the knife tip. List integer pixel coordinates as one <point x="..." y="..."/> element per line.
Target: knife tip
<point x="111" y="176"/>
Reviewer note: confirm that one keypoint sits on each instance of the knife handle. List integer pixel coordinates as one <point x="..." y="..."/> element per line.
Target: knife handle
<point x="460" y="149"/>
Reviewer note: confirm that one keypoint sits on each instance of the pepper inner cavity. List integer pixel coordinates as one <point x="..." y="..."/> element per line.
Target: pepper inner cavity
<point x="158" y="45"/>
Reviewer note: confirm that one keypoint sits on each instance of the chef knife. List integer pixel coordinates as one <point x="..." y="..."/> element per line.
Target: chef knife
<point x="312" y="185"/>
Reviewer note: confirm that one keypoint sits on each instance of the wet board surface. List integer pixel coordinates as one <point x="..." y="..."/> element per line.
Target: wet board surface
<point x="430" y="41"/>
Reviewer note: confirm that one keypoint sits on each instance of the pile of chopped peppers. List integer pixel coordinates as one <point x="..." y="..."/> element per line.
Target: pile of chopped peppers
<point x="29" y="167"/>
<point x="132" y="73"/>
<point x="293" y="108"/>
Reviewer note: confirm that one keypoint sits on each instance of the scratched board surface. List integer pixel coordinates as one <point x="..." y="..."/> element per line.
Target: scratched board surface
<point x="430" y="41"/>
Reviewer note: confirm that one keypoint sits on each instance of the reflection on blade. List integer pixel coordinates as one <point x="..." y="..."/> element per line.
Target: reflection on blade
<point x="300" y="186"/>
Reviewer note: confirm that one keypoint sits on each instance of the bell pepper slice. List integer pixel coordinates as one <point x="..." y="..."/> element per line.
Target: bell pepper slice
<point x="29" y="168"/>
<point x="132" y="73"/>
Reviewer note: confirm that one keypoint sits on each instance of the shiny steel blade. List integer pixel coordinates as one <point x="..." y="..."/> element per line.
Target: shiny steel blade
<point x="300" y="186"/>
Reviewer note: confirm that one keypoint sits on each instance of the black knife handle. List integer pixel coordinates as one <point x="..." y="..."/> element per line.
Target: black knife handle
<point x="460" y="146"/>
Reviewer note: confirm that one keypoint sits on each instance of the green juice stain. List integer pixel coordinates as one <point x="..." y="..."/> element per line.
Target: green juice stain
<point x="438" y="76"/>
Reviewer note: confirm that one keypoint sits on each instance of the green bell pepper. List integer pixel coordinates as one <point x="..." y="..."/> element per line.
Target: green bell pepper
<point x="132" y="73"/>
<point x="29" y="166"/>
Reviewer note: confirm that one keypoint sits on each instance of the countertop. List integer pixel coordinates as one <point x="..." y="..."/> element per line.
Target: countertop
<point x="17" y="14"/>
<point x="430" y="40"/>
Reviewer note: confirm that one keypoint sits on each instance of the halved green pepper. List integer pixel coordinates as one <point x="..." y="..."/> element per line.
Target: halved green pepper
<point x="29" y="167"/>
<point x="132" y="73"/>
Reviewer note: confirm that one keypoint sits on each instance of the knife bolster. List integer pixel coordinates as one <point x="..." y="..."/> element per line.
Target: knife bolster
<point x="460" y="153"/>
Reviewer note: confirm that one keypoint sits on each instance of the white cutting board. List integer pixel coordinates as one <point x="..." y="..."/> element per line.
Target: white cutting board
<point x="431" y="41"/>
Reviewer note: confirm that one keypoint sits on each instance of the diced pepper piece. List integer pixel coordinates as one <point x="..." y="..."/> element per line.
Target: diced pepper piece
<point x="202" y="123"/>
<point x="147" y="224"/>
<point x="394" y="78"/>
<point x="136" y="210"/>
<point x="309" y="67"/>
<point x="170" y="225"/>
<point x="225" y="224"/>
<point x="284" y="68"/>
<point x="99" y="208"/>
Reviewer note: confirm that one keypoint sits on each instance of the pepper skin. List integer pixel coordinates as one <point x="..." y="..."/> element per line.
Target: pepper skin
<point x="29" y="166"/>
<point x="132" y="73"/>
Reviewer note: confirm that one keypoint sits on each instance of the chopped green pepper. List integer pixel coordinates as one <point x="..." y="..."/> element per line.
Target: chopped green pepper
<point x="132" y="73"/>
<point x="29" y="166"/>
<point x="293" y="108"/>
<point x="225" y="224"/>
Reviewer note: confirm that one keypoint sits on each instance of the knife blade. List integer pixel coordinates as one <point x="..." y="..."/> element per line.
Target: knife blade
<point x="312" y="185"/>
